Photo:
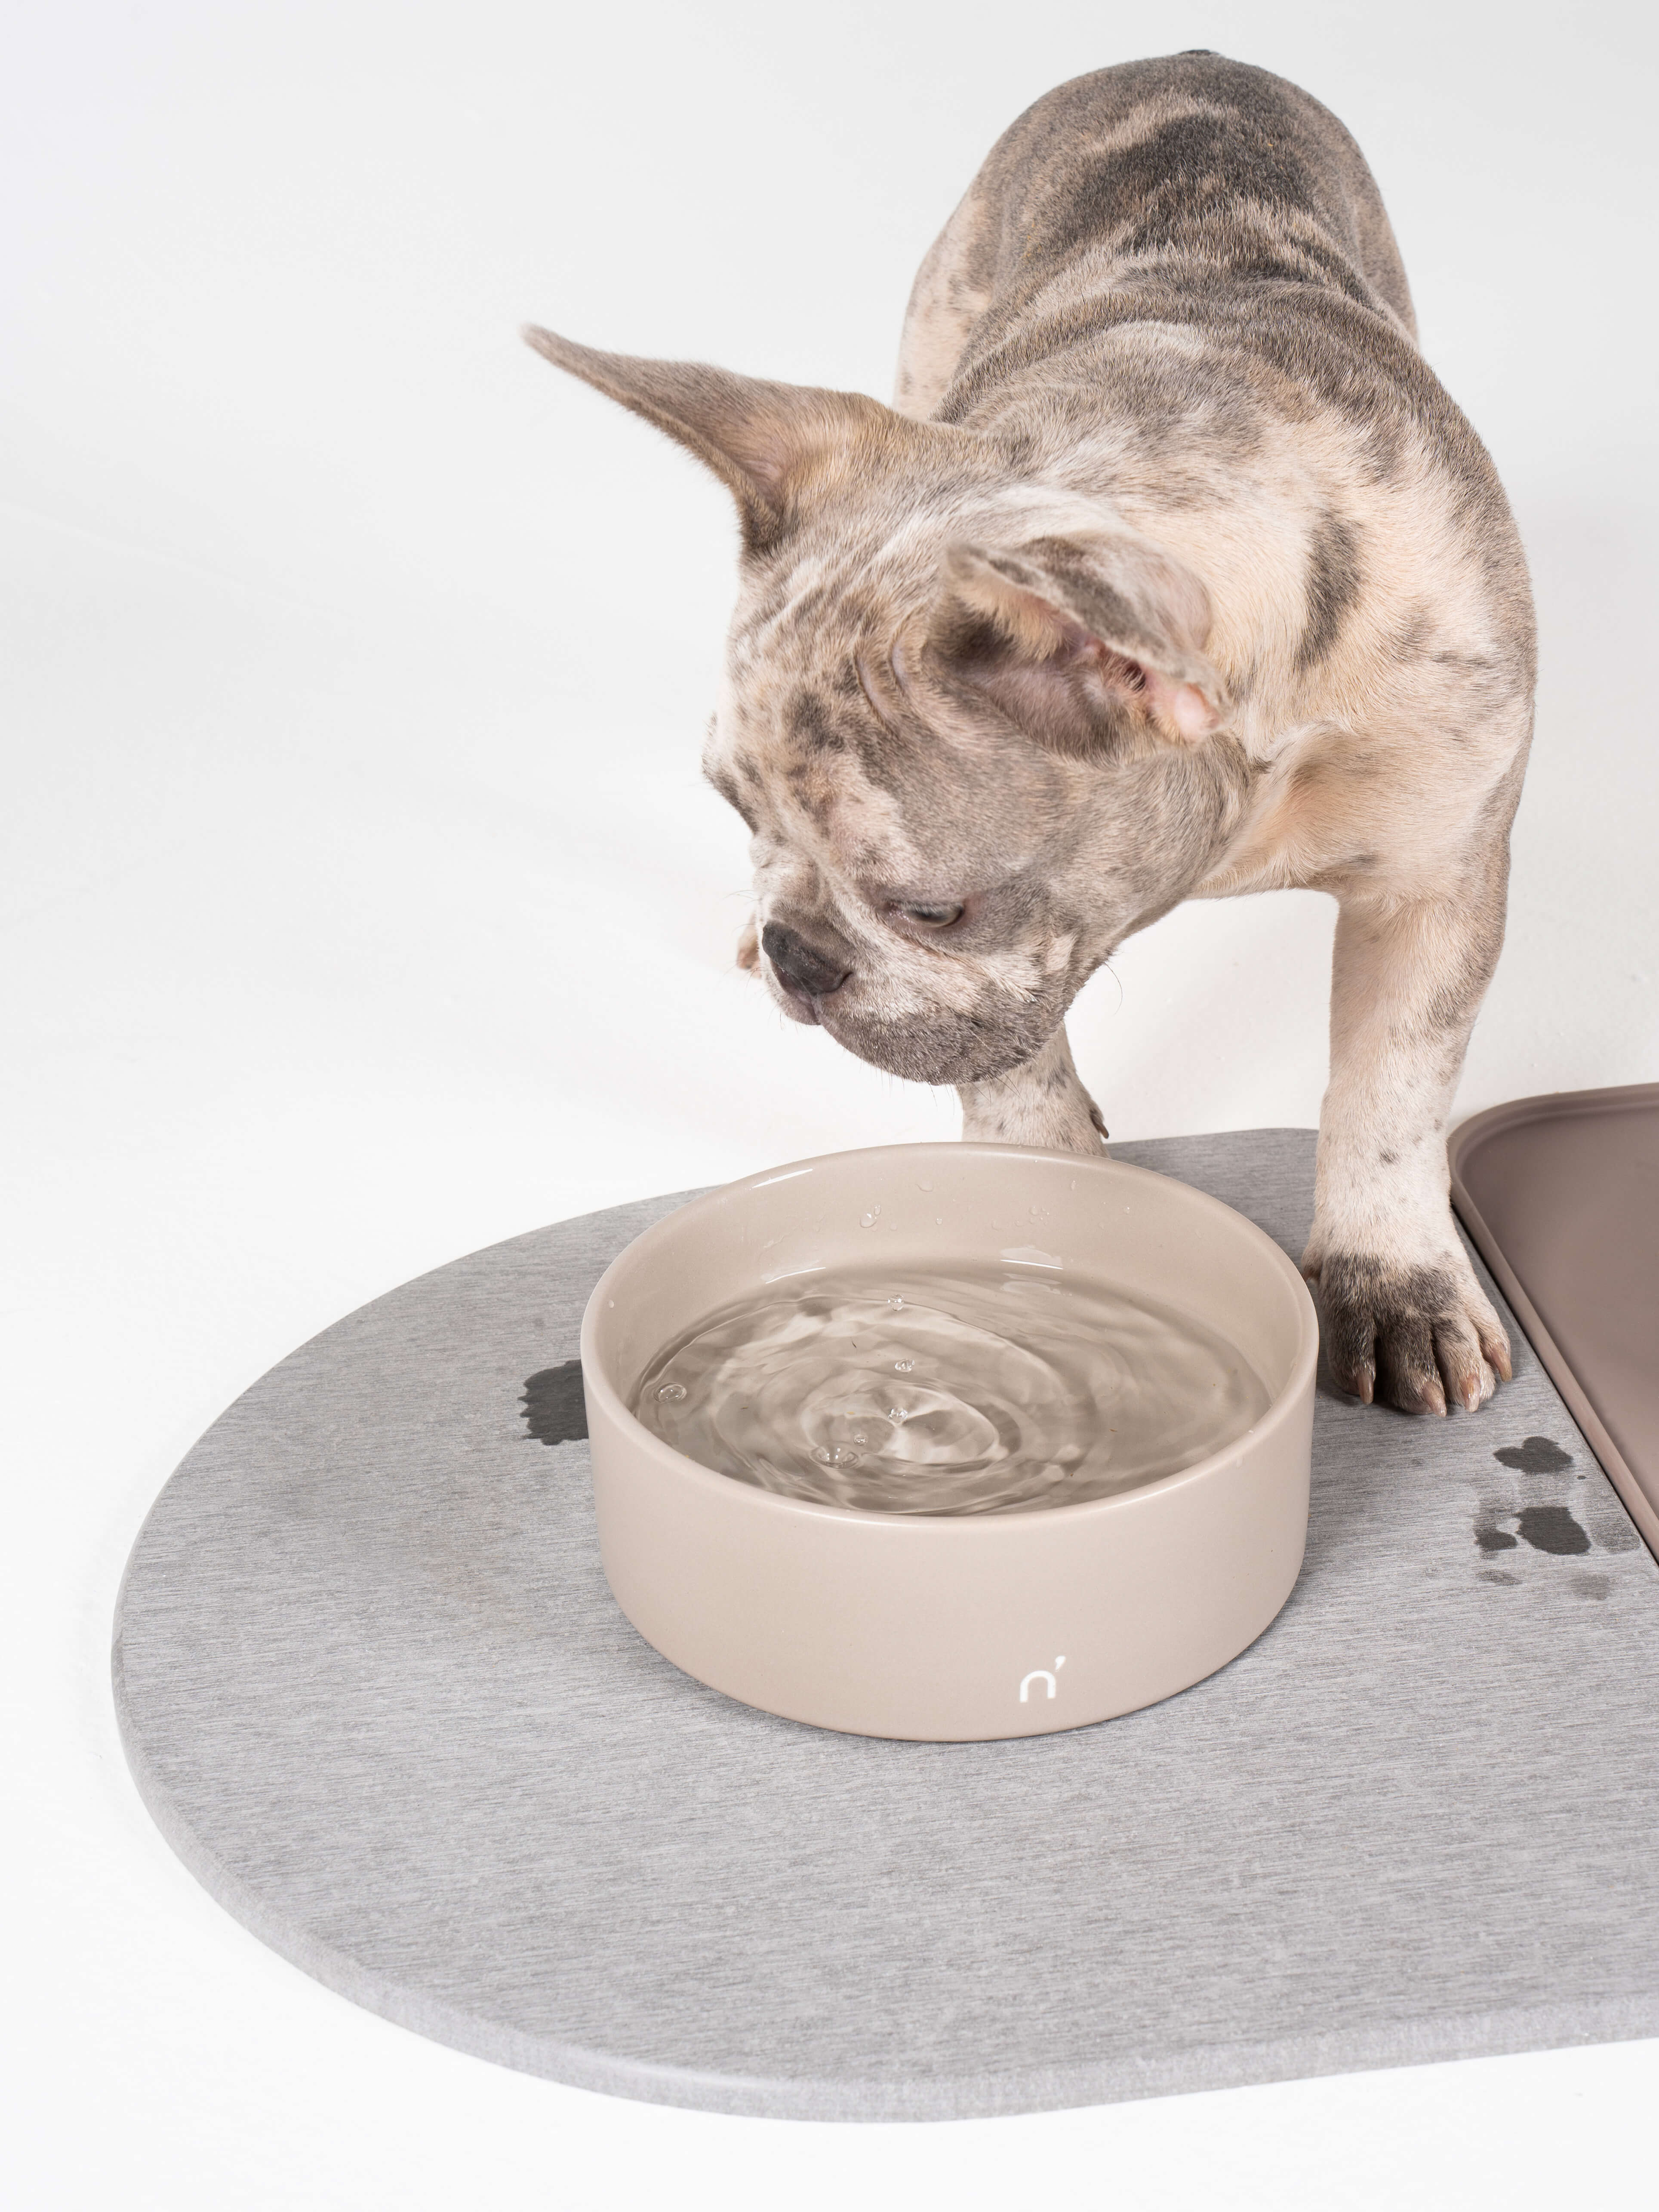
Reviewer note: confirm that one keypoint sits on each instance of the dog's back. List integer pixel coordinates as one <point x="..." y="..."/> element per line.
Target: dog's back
<point x="1191" y="186"/>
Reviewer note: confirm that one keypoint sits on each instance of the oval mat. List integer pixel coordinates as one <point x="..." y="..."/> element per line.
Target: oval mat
<point x="375" y="1692"/>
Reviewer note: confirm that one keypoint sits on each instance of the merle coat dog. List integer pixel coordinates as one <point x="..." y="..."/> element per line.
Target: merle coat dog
<point x="1172" y="572"/>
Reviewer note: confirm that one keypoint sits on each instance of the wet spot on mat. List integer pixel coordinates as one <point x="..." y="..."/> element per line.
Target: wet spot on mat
<point x="1596" y="1586"/>
<point x="1551" y="1528"/>
<point x="554" y="1407"/>
<point x="1501" y="1527"/>
<point x="1609" y="1523"/>
<point x="1487" y="1534"/>
<point x="1534" y="1455"/>
<point x="1498" y="1575"/>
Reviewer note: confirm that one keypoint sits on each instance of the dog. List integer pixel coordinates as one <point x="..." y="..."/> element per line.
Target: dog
<point x="1172" y="572"/>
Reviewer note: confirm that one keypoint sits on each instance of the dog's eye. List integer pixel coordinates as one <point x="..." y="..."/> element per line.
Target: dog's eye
<point x="932" y="917"/>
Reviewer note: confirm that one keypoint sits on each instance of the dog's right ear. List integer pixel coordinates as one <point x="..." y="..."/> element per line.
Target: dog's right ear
<point x="765" y="441"/>
<point x="1082" y="642"/>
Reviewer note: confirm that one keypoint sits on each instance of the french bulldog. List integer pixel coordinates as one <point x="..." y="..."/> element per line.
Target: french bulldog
<point x="1171" y="572"/>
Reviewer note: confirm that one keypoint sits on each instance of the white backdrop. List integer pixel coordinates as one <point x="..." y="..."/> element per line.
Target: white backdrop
<point x="362" y="904"/>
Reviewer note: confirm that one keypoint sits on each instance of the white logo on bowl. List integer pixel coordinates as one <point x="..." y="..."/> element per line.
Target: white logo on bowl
<point x="1040" y="1675"/>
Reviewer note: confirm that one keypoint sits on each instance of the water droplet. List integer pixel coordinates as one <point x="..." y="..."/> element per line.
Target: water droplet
<point x="896" y="1302"/>
<point x="860" y="1440"/>
<point x="673" y="1391"/>
<point x="868" y="1220"/>
<point x="824" y="1456"/>
<point x="896" y="1417"/>
<point x="904" y="1366"/>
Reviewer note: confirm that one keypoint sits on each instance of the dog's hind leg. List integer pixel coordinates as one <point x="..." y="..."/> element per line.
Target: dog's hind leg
<point x="1406" y="1320"/>
<point x="1042" y="1102"/>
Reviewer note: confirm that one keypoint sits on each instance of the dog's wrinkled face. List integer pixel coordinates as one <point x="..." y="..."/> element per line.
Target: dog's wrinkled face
<point x="915" y="864"/>
<point x="933" y="883"/>
<point x="964" y="716"/>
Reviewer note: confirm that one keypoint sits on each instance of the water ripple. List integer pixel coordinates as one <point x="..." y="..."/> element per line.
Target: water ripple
<point x="978" y="1391"/>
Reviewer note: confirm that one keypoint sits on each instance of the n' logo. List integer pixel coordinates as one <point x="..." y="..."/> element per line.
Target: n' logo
<point x="1040" y="1675"/>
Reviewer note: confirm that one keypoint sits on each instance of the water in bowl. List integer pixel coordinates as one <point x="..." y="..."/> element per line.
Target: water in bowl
<point x="986" y="1390"/>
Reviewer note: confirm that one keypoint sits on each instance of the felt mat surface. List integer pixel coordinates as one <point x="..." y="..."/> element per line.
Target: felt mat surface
<point x="375" y="1692"/>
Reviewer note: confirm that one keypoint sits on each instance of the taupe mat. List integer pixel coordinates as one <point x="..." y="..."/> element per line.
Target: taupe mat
<point x="1561" y="1193"/>
<point x="375" y="1692"/>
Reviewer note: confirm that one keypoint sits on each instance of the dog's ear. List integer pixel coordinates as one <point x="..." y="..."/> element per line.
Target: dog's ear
<point x="764" y="440"/>
<point x="1081" y="641"/>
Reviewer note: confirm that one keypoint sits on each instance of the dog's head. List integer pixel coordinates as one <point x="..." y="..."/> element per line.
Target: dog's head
<point x="965" y="714"/>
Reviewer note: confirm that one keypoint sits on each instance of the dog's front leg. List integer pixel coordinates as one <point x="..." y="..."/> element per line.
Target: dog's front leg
<point x="1406" y="1320"/>
<point x="1042" y="1102"/>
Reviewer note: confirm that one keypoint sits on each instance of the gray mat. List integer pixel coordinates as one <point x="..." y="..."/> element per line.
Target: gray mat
<point x="376" y="1693"/>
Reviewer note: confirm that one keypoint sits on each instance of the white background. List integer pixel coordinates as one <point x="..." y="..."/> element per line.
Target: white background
<point x="362" y="906"/>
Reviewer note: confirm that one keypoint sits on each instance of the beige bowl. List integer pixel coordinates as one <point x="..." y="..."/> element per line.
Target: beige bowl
<point x="953" y="1628"/>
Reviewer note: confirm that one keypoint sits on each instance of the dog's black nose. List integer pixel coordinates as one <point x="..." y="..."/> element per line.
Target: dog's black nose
<point x="800" y="963"/>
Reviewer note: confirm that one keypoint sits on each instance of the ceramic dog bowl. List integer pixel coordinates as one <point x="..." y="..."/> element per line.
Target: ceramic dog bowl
<point x="953" y="1627"/>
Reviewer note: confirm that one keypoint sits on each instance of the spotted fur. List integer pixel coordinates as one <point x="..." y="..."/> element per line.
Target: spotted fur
<point x="1173" y="572"/>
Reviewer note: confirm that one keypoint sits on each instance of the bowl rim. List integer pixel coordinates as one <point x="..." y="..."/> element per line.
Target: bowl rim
<point x="740" y="1496"/>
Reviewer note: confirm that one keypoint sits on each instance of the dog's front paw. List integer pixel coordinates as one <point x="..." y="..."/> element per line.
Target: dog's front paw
<point x="1419" y="1337"/>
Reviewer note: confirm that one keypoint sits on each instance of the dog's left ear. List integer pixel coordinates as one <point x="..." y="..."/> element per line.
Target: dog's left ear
<point x="764" y="440"/>
<point x="1082" y="641"/>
